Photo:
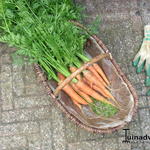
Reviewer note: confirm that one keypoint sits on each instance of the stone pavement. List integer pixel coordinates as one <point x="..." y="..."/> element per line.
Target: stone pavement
<point x="28" y="118"/>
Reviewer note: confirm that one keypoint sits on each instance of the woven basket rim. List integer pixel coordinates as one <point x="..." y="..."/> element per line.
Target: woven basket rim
<point x="71" y="116"/>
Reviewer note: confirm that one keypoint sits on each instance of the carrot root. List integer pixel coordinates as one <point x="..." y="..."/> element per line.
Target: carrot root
<point x="70" y="92"/>
<point x="101" y="73"/>
<point x="89" y="91"/>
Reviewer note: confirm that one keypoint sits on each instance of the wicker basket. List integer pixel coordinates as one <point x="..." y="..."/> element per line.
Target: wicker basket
<point x="122" y="90"/>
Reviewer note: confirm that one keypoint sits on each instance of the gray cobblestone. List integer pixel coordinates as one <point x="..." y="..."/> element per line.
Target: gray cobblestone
<point x="34" y="141"/>
<point x="81" y="146"/>
<point x="141" y="89"/>
<point x="46" y="135"/>
<point x="71" y="131"/>
<point x="85" y="135"/>
<point x="59" y="142"/>
<point x="123" y="146"/>
<point x="21" y="115"/>
<point x="29" y="74"/>
<point x="31" y="101"/>
<point x="98" y="145"/>
<point x="86" y="145"/>
<point x="110" y="144"/>
<point x="34" y="89"/>
<point x="143" y="102"/>
<point x="137" y="146"/>
<point x="6" y="59"/>
<point x="134" y="126"/>
<point x="12" y="142"/>
<point x="18" y="83"/>
<point x="6" y="73"/>
<point x="145" y="120"/>
<point x="6" y="95"/>
<point x="19" y="128"/>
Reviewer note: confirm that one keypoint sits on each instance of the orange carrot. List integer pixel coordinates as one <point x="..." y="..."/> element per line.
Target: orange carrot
<point x="92" y="69"/>
<point x="89" y="91"/>
<point x="76" y="103"/>
<point x="82" y="94"/>
<point x="103" y="91"/>
<point x="101" y="73"/>
<point x="89" y="76"/>
<point x="73" y="69"/>
<point x="69" y="91"/>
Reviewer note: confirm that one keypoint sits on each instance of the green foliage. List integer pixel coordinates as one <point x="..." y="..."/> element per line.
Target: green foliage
<point x="103" y="109"/>
<point x="41" y="32"/>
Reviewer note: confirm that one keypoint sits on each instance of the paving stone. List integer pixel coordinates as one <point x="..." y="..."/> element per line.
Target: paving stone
<point x="117" y="43"/>
<point x="114" y="6"/>
<point x="58" y="133"/>
<point x="135" y="128"/>
<point x="97" y="145"/>
<point x="86" y="145"/>
<point x="35" y="89"/>
<point x="46" y="135"/>
<point x="20" y="148"/>
<point x="123" y="146"/>
<point x="148" y="100"/>
<point x="30" y="76"/>
<point x="6" y="96"/>
<point x="34" y="141"/>
<point x="146" y="145"/>
<point x="136" y="79"/>
<point x="31" y="101"/>
<point x="12" y="142"/>
<point x="137" y="146"/>
<point x="145" y="11"/>
<point x="6" y="59"/>
<point x="18" y="83"/>
<point x="4" y="48"/>
<point x="86" y="135"/>
<point x="19" y="128"/>
<point x="134" y="4"/>
<point x="71" y="131"/>
<point x="114" y="134"/>
<point x="2" y="45"/>
<point x="141" y="89"/>
<point x="137" y="26"/>
<point x="109" y="144"/>
<point x="21" y="115"/>
<point x="6" y="73"/>
<point x="145" y="120"/>
<point x="143" y="102"/>
<point x="82" y="146"/>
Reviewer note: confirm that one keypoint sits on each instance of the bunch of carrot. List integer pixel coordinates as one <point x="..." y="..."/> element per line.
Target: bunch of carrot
<point x="43" y="33"/>
<point x="91" y="83"/>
